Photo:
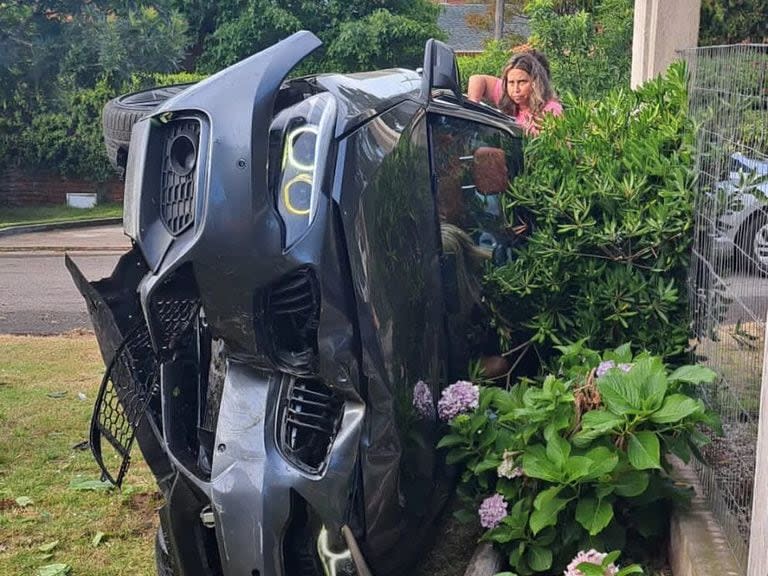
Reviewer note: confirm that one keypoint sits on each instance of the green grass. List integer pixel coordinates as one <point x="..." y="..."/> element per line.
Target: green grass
<point x="55" y="214"/>
<point x="43" y="417"/>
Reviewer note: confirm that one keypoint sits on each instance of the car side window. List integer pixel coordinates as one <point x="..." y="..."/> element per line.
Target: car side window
<point x="472" y="164"/>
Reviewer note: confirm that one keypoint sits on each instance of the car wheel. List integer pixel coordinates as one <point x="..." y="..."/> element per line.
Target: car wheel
<point x="754" y="243"/>
<point x="162" y="558"/>
<point x="121" y="113"/>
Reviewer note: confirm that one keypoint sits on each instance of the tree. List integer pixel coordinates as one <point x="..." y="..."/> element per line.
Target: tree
<point x="243" y="27"/>
<point x="588" y="42"/>
<point x="380" y="40"/>
<point x="733" y="21"/>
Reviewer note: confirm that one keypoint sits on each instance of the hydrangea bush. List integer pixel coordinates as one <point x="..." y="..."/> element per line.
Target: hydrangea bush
<point x="562" y="470"/>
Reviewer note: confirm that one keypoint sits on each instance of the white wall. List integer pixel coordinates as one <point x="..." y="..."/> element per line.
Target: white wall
<point x="661" y="28"/>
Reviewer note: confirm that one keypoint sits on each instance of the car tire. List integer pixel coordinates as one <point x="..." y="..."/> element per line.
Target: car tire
<point x="753" y="240"/>
<point x="121" y="113"/>
<point x="162" y="558"/>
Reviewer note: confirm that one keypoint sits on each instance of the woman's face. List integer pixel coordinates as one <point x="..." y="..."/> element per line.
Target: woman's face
<point x="519" y="86"/>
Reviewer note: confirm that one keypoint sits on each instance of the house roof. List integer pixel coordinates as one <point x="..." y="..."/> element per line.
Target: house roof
<point x="465" y="38"/>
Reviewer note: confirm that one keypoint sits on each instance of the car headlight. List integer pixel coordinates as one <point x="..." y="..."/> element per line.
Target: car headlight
<point x="304" y="134"/>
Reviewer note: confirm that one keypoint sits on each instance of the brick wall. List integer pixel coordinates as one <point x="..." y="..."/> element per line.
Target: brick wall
<point x="19" y="188"/>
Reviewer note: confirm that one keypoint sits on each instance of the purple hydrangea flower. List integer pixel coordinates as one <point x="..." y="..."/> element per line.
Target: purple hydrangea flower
<point x="492" y="511"/>
<point x="590" y="557"/>
<point x="460" y="397"/>
<point x="604" y="367"/>
<point x="423" y="401"/>
<point x="608" y="364"/>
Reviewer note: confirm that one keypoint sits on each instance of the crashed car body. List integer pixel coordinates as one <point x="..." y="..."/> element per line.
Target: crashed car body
<point x="299" y="289"/>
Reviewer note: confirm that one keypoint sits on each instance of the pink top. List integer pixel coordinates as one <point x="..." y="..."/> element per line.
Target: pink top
<point x="525" y="118"/>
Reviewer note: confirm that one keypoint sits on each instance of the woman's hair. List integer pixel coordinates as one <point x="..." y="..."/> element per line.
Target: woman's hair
<point x="541" y="91"/>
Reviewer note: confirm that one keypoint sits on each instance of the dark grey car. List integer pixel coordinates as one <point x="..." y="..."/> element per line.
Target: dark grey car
<point x="303" y="281"/>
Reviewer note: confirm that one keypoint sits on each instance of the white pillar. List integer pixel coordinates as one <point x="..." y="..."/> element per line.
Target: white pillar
<point x="661" y="28"/>
<point x="758" y="538"/>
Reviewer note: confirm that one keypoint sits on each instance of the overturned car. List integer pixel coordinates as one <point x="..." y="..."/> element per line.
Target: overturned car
<point x="303" y="281"/>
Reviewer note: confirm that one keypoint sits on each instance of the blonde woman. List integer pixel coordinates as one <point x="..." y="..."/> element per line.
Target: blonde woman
<point x="523" y="91"/>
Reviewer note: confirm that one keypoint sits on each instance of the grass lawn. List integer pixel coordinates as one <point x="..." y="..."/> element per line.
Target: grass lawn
<point x="53" y="214"/>
<point x="43" y="519"/>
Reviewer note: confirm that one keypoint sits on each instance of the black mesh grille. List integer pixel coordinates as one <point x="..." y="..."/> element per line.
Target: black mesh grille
<point x="174" y="308"/>
<point x="293" y="306"/>
<point x="179" y="175"/>
<point x="126" y="389"/>
<point x="310" y="420"/>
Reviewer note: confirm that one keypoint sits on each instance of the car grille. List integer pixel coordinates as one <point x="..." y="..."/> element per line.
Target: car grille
<point x="174" y="307"/>
<point x="293" y="308"/>
<point x="179" y="175"/>
<point x="310" y="419"/>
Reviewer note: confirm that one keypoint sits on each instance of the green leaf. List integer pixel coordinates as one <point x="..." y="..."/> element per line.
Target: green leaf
<point x="547" y="506"/>
<point x="620" y="393"/>
<point x="100" y="536"/>
<point x="631" y="483"/>
<point x="54" y="570"/>
<point x="601" y="420"/>
<point x="95" y="485"/>
<point x="693" y="375"/>
<point x="643" y="451"/>
<point x="675" y="408"/>
<point x="539" y="559"/>
<point x="631" y="569"/>
<point x="24" y="501"/>
<point x="611" y="558"/>
<point x="49" y="546"/>
<point x="558" y="450"/>
<point x="485" y="465"/>
<point x="577" y="468"/>
<point x="537" y="465"/>
<point x="594" y="515"/>
<point x="621" y="355"/>
<point x="604" y="461"/>
<point x="589" y="569"/>
<point x="451" y="440"/>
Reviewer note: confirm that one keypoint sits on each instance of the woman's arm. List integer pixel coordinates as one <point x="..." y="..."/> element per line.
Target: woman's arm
<point x="482" y="87"/>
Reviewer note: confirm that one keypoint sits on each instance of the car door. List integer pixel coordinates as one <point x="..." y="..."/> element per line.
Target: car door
<point x="472" y="162"/>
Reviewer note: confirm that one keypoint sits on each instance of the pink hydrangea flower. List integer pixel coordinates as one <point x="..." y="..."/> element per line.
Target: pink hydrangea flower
<point x="458" y="398"/>
<point x="492" y="511"/>
<point x="589" y="557"/>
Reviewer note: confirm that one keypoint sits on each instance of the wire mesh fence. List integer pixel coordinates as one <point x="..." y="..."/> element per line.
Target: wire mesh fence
<point x="728" y="101"/>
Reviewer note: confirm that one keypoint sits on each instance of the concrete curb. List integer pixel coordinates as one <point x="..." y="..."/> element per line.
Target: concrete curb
<point x="697" y="545"/>
<point x="25" y="228"/>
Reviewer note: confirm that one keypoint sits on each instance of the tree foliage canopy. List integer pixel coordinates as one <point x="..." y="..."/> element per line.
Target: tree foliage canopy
<point x="61" y="60"/>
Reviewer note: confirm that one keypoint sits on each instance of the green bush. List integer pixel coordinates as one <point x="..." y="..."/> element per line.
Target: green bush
<point x="588" y="43"/>
<point x="491" y="62"/>
<point x="610" y="187"/>
<point x="578" y="460"/>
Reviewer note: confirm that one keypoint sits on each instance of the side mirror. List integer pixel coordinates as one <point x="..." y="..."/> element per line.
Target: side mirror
<point x="441" y="72"/>
<point x="489" y="170"/>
